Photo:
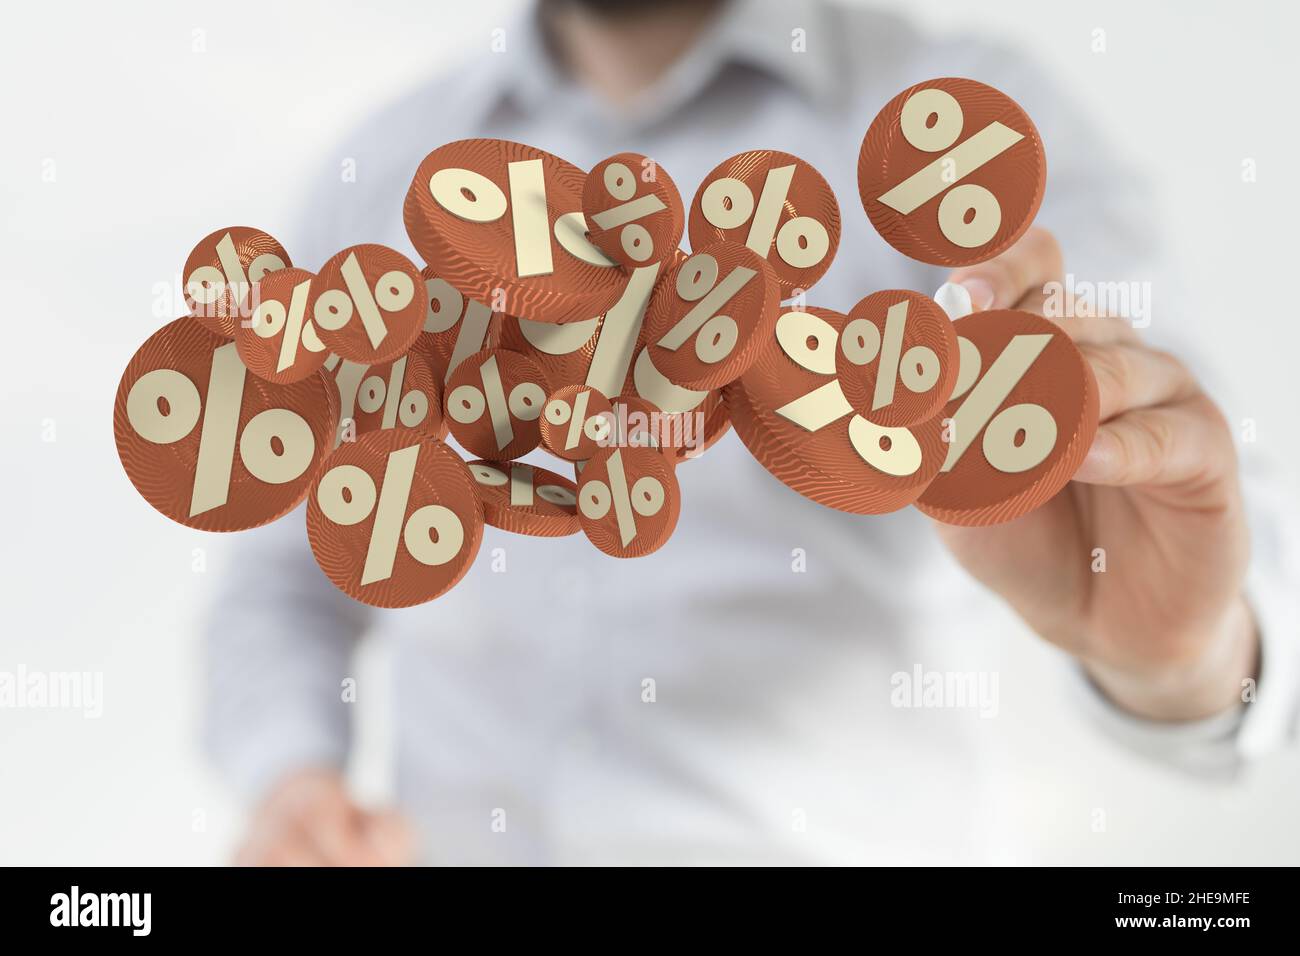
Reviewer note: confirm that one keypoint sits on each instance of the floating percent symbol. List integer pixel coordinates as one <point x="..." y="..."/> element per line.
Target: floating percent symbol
<point x="1015" y="438"/>
<point x="576" y="422"/>
<point x="1037" y="391"/>
<point x="524" y="247"/>
<point x="632" y="229"/>
<point x="403" y="394"/>
<point x="524" y="499"/>
<point x="688" y="308"/>
<point x="906" y="373"/>
<point x="388" y="315"/>
<point x="251" y="458"/>
<point x="804" y="244"/>
<point x="968" y="224"/>
<point x="790" y="410"/>
<point x="279" y="343"/>
<point x="220" y="271"/>
<point x="493" y="402"/>
<point x="628" y="501"/>
<point x="427" y="523"/>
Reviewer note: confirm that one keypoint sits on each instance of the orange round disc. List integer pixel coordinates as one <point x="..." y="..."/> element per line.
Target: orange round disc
<point x="777" y="205"/>
<point x="210" y="445"/>
<point x="493" y="402"/>
<point x="278" y="342"/>
<point x="525" y="499"/>
<point x="869" y="493"/>
<point x="454" y="326"/>
<point x="403" y="394"/>
<point x="1023" y="416"/>
<point x="366" y="304"/>
<point x="628" y="501"/>
<point x="394" y="521"/>
<point x="951" y="172"/>
<point x="897" y="358"/>
<point x="220" y="272"/>
<point x="633" y="210"/>
<point x="576" y="422"/>
<point x="502" y="222"/>
<point x="791" y="413"/>
<point x="785" y="464"/>
<point x="710" y="316"/>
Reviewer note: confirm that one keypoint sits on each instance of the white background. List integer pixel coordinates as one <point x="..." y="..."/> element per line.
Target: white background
<point x="154" y="143"/>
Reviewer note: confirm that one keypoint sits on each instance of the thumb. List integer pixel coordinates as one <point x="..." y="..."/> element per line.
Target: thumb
<point x="1001" y="282"/>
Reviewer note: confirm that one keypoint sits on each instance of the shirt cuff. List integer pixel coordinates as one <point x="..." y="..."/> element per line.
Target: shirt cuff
<point x="1219" y="746"/>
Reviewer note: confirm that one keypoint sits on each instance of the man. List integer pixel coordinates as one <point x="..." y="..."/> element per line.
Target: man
<point x="524" y="732"/>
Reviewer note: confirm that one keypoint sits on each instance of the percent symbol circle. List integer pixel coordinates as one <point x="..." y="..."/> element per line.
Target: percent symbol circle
<point x="493" y="402"/>
<point x="710" y="316"/>
<point x="525" y="499"/>
<point x="1020" y="421"/>
<point x="897" y="358"/>
<point x="220" y="272"/>
<point x="208" y="444"/>
<point x="366" y="304"/>
<point x="633" y="210"/>
<point x="278" y="342"/>
<point x="777" y="205"/>
<point x="951" y="172"/>
<point x="503" y="223"/>
<point x="394" y="521"/>
<point x="577" y="421"/>
<point x="628" y="501"/>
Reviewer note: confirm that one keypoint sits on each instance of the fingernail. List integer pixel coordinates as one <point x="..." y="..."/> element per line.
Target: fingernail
<point x="954" y="300"/>
<point x="1096" y="463"/>
<point x="981" y="292"/>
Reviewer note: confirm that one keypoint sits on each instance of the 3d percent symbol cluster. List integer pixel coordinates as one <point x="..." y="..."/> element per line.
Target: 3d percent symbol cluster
<point x="558" y="310"/>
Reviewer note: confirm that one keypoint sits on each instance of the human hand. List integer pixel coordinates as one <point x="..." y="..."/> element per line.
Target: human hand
<point x="1165" y="630"/>
<point x="309" y="819"/>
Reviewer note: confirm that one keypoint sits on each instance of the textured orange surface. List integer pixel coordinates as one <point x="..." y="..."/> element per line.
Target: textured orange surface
<point x="164" y="473"/>
<point x="809" y="195"/>
<point x="441" y="478"/>
<point x="1017" y="177"/>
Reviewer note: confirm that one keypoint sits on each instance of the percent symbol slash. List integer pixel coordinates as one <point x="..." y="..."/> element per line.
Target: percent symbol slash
<point x="980" y="412"/>
<point x="950" y="168"/>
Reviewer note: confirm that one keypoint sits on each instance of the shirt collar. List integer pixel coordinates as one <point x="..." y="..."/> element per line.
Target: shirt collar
<point x="788" y="40"/>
